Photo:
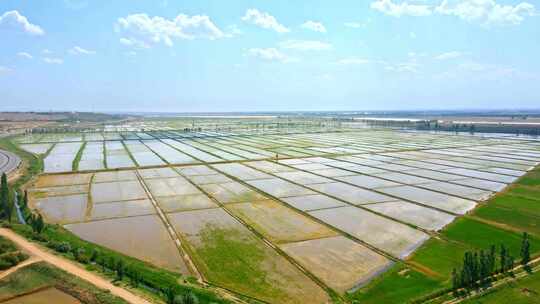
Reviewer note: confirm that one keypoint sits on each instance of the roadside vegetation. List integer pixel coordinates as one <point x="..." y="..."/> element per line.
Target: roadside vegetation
<point x="9" y="254"/>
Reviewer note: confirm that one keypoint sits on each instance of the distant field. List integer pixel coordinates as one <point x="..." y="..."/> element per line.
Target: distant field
<point x="334" y="211"/>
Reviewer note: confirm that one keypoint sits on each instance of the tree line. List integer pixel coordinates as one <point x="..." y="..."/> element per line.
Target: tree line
<point x="478" y="267"/>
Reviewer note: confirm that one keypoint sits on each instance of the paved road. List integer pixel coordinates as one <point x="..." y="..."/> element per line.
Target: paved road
<point x="71" y="267"/>
<point x="8" y="161"/>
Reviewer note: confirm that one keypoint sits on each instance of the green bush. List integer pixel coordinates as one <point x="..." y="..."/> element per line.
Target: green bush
<point x="63" y="247"/>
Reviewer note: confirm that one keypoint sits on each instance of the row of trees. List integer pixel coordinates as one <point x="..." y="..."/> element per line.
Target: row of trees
<point x="478" y="267"/>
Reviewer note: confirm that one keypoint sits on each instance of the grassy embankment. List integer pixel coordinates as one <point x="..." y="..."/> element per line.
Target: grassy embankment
<point x="500" y="220"/>
<point x="78" y="156"/>
<point x="9" y="254"/>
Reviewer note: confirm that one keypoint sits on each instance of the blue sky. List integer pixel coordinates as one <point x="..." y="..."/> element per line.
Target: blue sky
<point x="278" y="55"/>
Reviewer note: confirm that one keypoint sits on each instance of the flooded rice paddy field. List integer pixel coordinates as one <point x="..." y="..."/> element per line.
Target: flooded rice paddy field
<point x="333" y="210"/>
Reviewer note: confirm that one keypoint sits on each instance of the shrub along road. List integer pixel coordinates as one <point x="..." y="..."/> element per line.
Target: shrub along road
<point x="70" y="267"/>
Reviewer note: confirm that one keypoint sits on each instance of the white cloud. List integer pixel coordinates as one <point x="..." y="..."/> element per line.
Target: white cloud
<point x="77" y="50"/>
<point x="269" y="54"/>
<point x="46" y="51"/>
<point x="50" y="60"/>
<point x="140" y="30"/>
<point x="233" y="31"/>
<point x="134" y="43"/>
<point x="314" y="26"/>
<point x="4" y="69"/>
<point x="24" y="55"/>
<point x="487" y="12"/>
<point x="354" y="61"/>
<point x="305" y="45"/>
<point x="402" y="9"/>
<point x="449" y="55"/>
<point x="264" y="20"/>
<point x="409" y="67"/>
<point x="12" y="20"/>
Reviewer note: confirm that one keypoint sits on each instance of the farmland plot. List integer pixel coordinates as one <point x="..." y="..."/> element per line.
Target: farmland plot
<point x="351" y="194"/>
<point x="143" y="237"/>
<point x="117" y="156"/>
<point x="92" y="157"/>
<point x="339" y="262"/>
<point x="172" y="156"/>
<point x="192" y="151"/>
<point x="36" y="148"/>
<point x="232" y="192"/>
<point x="229" y="255"/>
<point x="422" y="217"/>
<point x="60" y="158"/>
<point x="278" y="223"/>
<point x="62" y="209"/>
<point x="431" y="198"/>
<point x="390" y="236"/>
<point x="117" y="191"/>
<point x="142" y="154"/>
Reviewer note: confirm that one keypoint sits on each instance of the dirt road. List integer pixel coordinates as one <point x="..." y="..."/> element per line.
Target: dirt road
<point x="71" y="267"/>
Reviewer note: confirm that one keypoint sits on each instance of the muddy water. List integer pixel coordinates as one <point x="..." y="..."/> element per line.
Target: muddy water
<point x="50" y="295"/>
<point x="279" y="223"/>
<point x="143" y="237"/>
<point x="117" y="191"/>
<point x="339" y="262"/>
<point x="122" y="209"/>
<point x="185" y="202"/>
<point x="62" y="209"/>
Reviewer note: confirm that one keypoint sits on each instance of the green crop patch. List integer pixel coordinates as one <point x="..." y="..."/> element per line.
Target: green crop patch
<point x="517" y="203"/>
<point x="529" y="192"/>
<point x="400" y="284"/>
<point x="440" y="256"/>
<point x="512" y="218"/>
<point x="531" y="179"/>
<point x="229" y="257"/>
<point x="481" y="236"/>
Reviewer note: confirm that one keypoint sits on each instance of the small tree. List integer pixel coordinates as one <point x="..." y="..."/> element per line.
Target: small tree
<point x="456" y="281"/>
<point x="491" y="259"/>
<point x="4" y="195"/>
<point x="525" y="249"/>
<point x="120" y="269"/>
<point x="170" y="294"/>
<point x="502" y="258"/>
<point x="40" y="224"/>
<point x="24" y="203"/>
<point x="94" y="256"/>
<point x="187" y="298"/>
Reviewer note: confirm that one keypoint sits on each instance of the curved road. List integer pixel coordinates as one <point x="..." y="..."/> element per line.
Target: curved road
<point x="8" y="162"/>
<point x="71" y="267"/>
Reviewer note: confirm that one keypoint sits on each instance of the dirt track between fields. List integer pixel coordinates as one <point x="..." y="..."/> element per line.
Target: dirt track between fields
<point x="70" y="267"/>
